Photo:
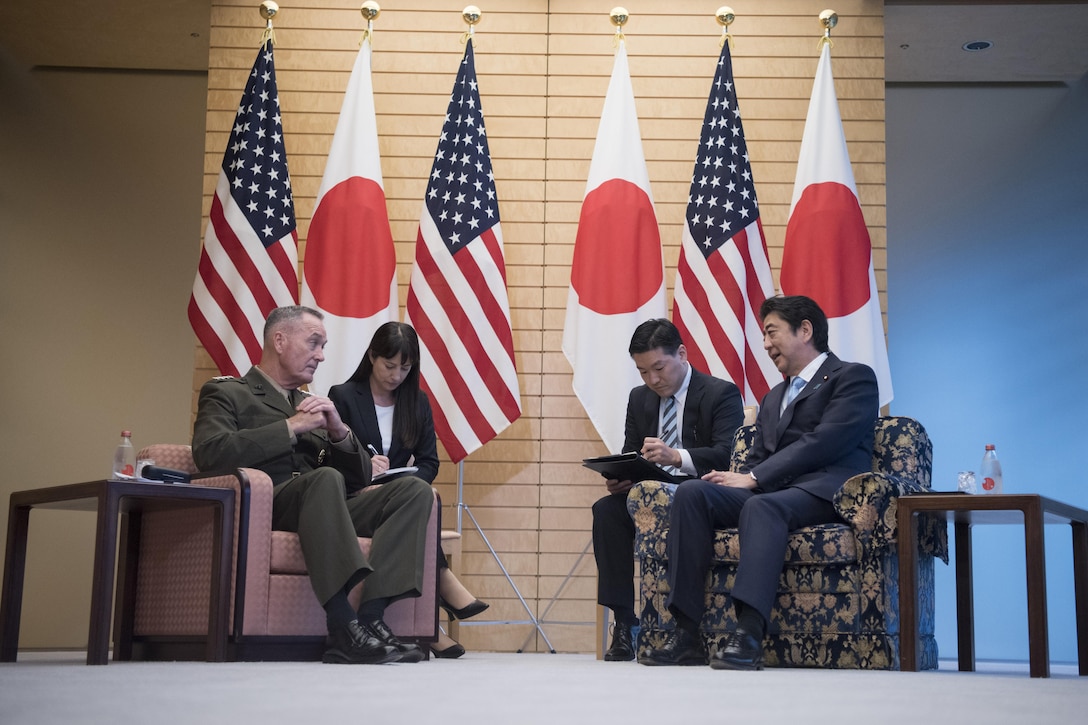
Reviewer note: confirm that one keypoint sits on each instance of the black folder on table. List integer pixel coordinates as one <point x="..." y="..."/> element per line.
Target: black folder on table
<point x="630" y="467"/>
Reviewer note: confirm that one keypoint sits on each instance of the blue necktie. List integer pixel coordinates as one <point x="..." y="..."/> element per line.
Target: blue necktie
<point x="795" y="387"/>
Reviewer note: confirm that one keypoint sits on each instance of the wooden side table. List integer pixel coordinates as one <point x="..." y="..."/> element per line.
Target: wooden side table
<point x="964" y="511"/>
<point x="110" y="499"/>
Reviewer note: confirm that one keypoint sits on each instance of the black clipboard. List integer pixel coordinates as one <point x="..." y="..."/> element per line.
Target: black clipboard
<point x="630" y="467"/>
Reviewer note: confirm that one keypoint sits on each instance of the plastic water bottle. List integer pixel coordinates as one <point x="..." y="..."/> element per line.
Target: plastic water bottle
<point x="124" y="458"/>
<point x="990" y="472"/>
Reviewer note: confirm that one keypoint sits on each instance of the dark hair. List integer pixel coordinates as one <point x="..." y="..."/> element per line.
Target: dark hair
<point x="397" y="340"/>
<point x="795" y="309"/>
<point x="654" y="334"/>
<point x="280" y="316"/>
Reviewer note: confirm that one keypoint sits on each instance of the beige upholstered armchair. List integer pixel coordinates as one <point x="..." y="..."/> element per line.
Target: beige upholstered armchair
<point x="274" y="613"/>
<point x="838" y="597"/>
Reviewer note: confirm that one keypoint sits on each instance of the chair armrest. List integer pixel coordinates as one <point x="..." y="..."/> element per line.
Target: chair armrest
<point x="252" y="543"/>
<point x="169" y="455"/>
<point x="868" y="502"/>
<point x="649" y="503"/>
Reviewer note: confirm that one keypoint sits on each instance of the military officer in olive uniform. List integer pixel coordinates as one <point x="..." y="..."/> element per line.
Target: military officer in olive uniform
<point x="322" y="486"/>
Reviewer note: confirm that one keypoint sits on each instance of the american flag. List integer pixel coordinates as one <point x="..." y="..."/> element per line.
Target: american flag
<point x="457" y="299"/>
<point x="724" y="274"/>
<point x="249" y="263"/>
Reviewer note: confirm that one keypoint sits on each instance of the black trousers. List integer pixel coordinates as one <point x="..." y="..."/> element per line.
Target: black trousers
<point x="614" y="550"/>
<point x="764" y="522"/>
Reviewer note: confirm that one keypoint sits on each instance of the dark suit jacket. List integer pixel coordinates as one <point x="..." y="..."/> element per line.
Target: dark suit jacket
<point x="824" y="437"/>
<point x="713" y="411"/>
<point x="356" y="405"/>
<point x="243" y="422"/>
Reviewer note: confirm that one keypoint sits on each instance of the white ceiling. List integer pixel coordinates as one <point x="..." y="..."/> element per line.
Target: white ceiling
<point x="1033" y="42"/>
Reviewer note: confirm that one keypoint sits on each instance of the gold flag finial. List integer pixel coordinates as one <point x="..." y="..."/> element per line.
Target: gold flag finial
<point x="725" y="17"/>
<point x="268" y="10"/>
<point x="828" y="20"/>
<point x="370" y="10"/>
<point x="619" y="17"/>
<point x="471" y="15"/>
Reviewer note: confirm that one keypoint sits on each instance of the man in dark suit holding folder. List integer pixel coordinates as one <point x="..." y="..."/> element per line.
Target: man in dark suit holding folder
<point x="814" y="431"/>
<point x="680" y="419"/>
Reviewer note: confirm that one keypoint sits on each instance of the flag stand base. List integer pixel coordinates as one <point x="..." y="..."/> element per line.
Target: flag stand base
<point x="462" y="507"/>
<point x="558" y="591"/>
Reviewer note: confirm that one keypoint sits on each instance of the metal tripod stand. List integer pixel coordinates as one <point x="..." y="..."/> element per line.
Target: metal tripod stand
<point x="462" y="508"/>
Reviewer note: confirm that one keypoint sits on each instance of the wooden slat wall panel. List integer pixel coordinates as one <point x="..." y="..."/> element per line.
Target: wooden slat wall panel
<point x="543" y="68"/>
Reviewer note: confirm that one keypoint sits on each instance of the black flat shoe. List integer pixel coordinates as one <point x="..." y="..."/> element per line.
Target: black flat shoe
<point x="452" y="652"/>
<point x="465" y="612"/>
<point x="680" y="649"/>
<point x="408" y="652"/>
<point x="741" y="651"/>
<point x="356" y="644"/>
<point x="622" y="648"/>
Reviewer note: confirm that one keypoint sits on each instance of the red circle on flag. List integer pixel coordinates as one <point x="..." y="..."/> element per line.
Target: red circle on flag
<point x="350" y="261"/>
<point x="617" y="253"/>
<point x="827" y="250"/>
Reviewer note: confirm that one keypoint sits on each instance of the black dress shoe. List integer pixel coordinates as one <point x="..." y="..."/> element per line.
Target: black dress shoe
<point x="621" y="649"/>
<point x="741" y="651"/>
<point x="680" y="649"/>
<point x="452" y="652"/>
<point x="408" y="652"/>
<point x="356" y="644"/>
<point x="469" y="610"/>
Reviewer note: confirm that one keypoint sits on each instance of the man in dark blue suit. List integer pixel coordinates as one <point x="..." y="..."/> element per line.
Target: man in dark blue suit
<point x="814" y="431"/>
<point x="700" y="414"/>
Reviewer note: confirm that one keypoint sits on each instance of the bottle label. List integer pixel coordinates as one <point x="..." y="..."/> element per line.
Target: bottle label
<point x="128" y="470"/>
<point x="988" y="484"/>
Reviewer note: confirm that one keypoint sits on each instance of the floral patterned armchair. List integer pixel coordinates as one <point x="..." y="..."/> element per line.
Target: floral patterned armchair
<point x="838" y="600"/>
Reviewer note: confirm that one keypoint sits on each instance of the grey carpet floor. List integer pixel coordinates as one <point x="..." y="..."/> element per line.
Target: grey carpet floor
<point x="485" y="688"/>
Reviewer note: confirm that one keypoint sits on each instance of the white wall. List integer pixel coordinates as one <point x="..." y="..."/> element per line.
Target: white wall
<point x="987" y="311"/>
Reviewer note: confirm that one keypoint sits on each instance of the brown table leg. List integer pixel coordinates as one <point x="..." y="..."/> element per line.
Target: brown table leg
<point x="1034" y="546"/>
<point x="219" y="600"/>
<point x="965" y="598"/>
<point x="105" y="558"/>
<point x="11" y="602"/>
<point x="1080" y="590"/>
<point x="124" y="608"/>
<point x="907" y="547"/>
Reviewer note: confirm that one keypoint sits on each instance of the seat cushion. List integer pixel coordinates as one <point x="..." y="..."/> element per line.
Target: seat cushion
<point x="822" y="544"/>
<point x="286" y="554"/>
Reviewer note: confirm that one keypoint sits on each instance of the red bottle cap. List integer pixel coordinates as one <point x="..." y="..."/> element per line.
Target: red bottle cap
<point x="126" y="434"/>
<point x="989" y="446"/>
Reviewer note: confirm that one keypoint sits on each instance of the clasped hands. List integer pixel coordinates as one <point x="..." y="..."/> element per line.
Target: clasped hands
<point x="730" y="479"/>
<point x="314" y="412"/>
